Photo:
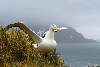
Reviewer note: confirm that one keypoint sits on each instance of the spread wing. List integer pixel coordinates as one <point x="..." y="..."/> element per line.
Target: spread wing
<point x="23" y="27"/>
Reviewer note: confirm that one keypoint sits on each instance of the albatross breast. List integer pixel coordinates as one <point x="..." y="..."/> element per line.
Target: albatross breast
<point x="47" y="44"/>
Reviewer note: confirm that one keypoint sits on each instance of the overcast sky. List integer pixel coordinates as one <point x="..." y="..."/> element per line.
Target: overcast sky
<point x="83" y="15"/>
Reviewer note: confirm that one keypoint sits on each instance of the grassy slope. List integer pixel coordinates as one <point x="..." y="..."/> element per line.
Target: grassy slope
<point x="16" y="48"/>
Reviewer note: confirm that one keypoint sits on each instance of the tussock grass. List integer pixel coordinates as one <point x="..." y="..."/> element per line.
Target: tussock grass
<point x="16" y="50"/>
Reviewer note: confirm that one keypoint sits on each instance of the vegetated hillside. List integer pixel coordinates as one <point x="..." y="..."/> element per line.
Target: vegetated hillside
<point x="16" y="49"/>
<point x="69" y="35"/>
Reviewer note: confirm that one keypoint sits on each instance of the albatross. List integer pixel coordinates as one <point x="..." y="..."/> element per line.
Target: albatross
<point x="45" y="43"/>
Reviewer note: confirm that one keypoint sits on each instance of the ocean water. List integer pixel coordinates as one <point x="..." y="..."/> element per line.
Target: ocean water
<point x="80" y="54"/>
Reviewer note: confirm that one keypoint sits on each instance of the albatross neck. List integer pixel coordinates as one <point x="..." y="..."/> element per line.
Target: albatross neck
<point x="50" y="34"/>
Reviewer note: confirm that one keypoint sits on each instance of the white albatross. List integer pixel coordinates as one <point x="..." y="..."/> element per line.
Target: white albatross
<point x="44" y="44"/>
<point x="47" y="42"/>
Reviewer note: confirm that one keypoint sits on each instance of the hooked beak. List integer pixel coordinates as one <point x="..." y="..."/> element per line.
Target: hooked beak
<point x="59" y="29"/>
<point x="55" y="29"/>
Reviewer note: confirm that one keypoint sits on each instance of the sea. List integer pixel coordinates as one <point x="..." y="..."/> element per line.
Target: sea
<point x="80" y="54"/>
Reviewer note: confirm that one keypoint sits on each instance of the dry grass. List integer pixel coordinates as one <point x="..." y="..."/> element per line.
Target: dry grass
<point x="16" y="50"/>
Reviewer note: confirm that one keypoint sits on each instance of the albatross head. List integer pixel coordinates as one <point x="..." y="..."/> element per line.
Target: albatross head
<point x="56" y="29"/>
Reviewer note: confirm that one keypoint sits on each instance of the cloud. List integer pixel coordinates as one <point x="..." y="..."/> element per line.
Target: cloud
<point x="80" y="14"/>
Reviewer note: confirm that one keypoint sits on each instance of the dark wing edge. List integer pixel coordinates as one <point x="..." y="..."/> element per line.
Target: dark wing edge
<point x="23" y="27"/>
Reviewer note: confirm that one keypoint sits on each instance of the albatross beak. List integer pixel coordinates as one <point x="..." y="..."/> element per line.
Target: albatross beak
<point x="55" y="29"/>
<point x="63" y="28"/>
<point x="58" y="29"/>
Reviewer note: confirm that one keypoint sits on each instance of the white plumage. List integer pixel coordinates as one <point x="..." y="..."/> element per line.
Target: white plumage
<point x="48" y="42"/>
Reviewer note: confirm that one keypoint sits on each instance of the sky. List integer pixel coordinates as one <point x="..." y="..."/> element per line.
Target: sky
<point x="83" y="15"/>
